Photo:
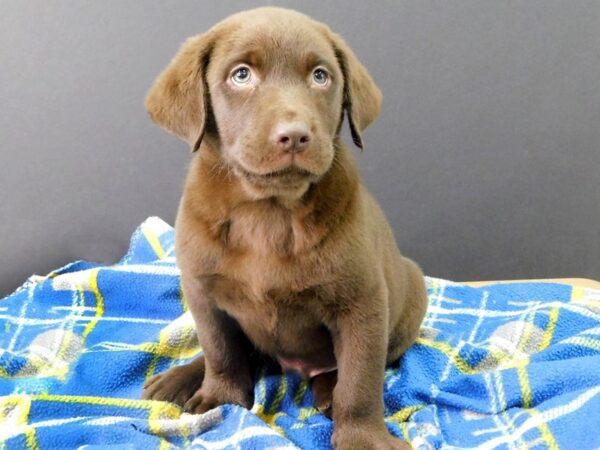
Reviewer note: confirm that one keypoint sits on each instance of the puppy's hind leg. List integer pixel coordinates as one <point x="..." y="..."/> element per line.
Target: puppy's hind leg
<point x="322" y="390"/>
<point x="406" y="330"/>
<point x="177" y="384"/>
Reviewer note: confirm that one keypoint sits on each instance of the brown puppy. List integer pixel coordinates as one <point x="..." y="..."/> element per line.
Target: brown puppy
<point x="282" y="251"/>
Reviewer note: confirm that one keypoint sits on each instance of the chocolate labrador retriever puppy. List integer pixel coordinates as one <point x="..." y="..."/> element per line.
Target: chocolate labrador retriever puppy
<point x="282" y="251"/>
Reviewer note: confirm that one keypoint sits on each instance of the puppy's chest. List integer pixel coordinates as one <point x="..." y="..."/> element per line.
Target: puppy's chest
<point x="245" y="232"/>
<point x="272" y="283"/>
<point x="263" y="230"/>
<point x="277" y="321"/>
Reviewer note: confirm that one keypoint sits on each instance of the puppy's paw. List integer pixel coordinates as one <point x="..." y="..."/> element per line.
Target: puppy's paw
<point x="214" y="393"/>
<point x="366" y="437"/>
<point x="176" y="385"/>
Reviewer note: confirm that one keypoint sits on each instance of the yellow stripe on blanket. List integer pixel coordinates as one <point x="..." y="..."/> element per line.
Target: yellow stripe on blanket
<point x="99" y="303"/>
<point x="403" y="414"/>
<point x="108" y="401"/>
<point x="160" y="411"/>
<point x="17" y="407"/>
<point x="450" y="352"/>
<point x="270" y="416"/>
<point x="549" y="332"/>
<point x="153" y="241"/>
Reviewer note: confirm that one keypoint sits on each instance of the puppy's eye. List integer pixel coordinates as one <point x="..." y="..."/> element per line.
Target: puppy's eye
<point x="241" y="75"/>
<point x="320" y="76"/>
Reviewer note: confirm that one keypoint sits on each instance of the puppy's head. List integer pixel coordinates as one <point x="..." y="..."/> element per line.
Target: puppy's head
<point x="269" y="86"/>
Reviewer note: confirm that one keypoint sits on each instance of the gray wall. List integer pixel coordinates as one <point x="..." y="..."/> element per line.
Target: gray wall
<point x="486" y="156"/>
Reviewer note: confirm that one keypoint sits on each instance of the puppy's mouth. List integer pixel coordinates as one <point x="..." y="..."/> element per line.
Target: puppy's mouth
<point x="289" y="175"/>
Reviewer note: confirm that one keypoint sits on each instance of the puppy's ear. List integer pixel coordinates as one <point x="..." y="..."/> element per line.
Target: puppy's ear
<point x="362" y="97"/>
<point x="178" y="99"/>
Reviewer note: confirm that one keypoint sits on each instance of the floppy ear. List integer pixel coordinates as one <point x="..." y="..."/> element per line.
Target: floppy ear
<point x="178" y="99"/>
<point x="362" y="97"/>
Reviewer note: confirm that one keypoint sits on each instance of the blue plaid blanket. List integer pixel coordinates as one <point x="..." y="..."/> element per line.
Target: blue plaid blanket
<point x="505" y="366"/>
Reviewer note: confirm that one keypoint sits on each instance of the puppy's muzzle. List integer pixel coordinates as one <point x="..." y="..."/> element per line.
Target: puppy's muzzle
<point x="291" y="137"/>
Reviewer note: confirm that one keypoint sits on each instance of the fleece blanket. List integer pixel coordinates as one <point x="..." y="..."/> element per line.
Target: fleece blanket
<point x="505" y="366"/>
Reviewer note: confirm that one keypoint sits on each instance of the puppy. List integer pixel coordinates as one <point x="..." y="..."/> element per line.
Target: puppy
<point x="283" y="253"/>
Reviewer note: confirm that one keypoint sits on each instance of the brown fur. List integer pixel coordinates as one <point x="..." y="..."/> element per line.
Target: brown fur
<point x="300" y="265"/>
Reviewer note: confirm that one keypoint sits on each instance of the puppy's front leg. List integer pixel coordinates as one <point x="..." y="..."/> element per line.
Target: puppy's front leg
<point x="227" y="378"/>
<point x="360" y="335"/>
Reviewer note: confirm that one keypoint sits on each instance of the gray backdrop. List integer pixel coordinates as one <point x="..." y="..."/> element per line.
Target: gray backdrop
<point x="486" y="155"/>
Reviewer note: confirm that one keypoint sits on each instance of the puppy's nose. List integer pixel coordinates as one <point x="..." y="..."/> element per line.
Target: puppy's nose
<point x="292" y="137"/>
